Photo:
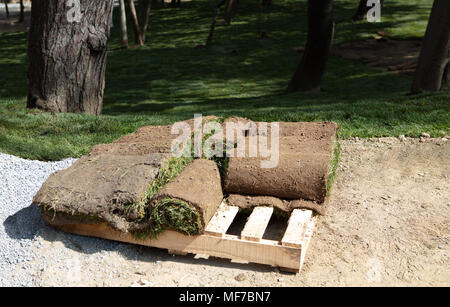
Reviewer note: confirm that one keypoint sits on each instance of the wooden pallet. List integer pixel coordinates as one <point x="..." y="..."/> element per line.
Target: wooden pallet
<point x="287" y="254"/>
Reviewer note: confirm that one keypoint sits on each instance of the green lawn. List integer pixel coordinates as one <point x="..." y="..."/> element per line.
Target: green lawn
<point x="169" y="80"/>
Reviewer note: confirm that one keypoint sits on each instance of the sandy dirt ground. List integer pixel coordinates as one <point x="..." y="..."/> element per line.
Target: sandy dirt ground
<point x="388" y="224"/>
<point x="399" y="56"/>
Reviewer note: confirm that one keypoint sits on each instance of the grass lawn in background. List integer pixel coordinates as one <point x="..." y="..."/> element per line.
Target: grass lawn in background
<point x="169" y="79"/>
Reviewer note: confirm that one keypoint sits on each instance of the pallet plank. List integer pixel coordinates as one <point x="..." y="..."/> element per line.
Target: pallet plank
<point x="221" y="221"/>
<point x="307" y="239"/>
<point x="296" y="228"/>
<point x="256" y="224"/>
<point x="231" y="247"/>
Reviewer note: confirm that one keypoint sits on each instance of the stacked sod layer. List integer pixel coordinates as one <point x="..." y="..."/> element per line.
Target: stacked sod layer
<point x="127" y="185"/>
<point x="137" y="185"/>
<point x="302" y="177"/>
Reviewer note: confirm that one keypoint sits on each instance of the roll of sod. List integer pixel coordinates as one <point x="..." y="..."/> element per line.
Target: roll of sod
<point x="188" y="202"/>
<point x="305" y="160"/>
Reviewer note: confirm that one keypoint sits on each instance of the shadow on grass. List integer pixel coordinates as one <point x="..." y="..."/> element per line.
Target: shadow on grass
<point x="169" y="79"/>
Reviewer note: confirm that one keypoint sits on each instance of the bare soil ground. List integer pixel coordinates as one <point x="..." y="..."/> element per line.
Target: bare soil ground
<point x="393" y="55"/>
<point x="388" y="223"/>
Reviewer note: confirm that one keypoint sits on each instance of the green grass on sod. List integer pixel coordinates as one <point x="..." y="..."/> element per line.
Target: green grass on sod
<point x="169" y="80"/>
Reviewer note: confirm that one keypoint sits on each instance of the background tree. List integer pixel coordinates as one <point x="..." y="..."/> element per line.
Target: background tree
<point x="320" y="36"/>
<point x="431" y="70"/>
<point x="141" y="22"/>
<point x="67" y="53"/>
<point x="363" y="9"/>
<point x="22" y="12"/>
<point x="6" y="8"/>
<point x="263" y="17"/>
<point x="214" y="22"/>
<point x="123" y="24"/>
<point x="231" y="8"/>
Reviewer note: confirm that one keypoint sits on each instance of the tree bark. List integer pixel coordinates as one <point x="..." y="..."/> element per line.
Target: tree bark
<point x="6" y="8"/>
<point x="67" y="53"/>
<point x="22" y="12"/>
<point x="123" y="25"/>
<point x="229" y="11"/>
<point x="363" y="9"/>
<point x="140" y="25"/>
<point x="320" y="36"/>
<point x="264" y="11"/>
<point x="435" y="52"/>
<point x="214" y="22"/>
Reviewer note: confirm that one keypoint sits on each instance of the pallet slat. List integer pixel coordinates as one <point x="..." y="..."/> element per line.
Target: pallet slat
<point x="307" y="239"/>
<point x="296" y="228"/>
<point x="288" y="254"/>
<point x="231" y="247"/>
<point x="221" y="221"/>
<point x="256" y="224"/>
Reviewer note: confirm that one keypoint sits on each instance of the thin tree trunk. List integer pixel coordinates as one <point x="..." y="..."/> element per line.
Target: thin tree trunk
<point x="140" y="32"/>
<point x="264" y="11"/>
<point x="320" y="36"/>
<point x="6" y="8"/>
<point x="135" y="20"/>
<point x="214" y="22"/>
<point x="146" y="8"/>
<point x="22" y="12"/>
<point x="435" y="53"/>
<point x="229" y="11"/>
<point x="123" y="25"/>
<point x="363" y="9"/>
<point x="175" y="3"/>
<point x="68" y="55"/>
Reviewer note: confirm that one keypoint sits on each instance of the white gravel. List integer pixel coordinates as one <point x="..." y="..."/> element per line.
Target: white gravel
<point x="20" y="222"/>
<point x="34" y="254"/>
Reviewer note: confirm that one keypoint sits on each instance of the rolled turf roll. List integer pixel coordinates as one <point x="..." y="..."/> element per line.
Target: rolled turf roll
<point x="114" y="182"/>
<point x="187" y="203"/>
<point x="98" y="187"/>
<point x="305" y="155"/>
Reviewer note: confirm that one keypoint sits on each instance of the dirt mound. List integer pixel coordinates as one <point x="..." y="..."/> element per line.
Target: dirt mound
<point x="305" y="154"/>
<point x="397" y="56"/>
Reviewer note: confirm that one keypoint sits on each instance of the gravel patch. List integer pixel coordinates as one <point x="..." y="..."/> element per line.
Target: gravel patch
<point x="34" y="254"/>
<point x="20" y="222"/>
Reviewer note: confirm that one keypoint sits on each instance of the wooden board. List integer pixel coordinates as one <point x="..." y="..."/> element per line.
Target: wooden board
<point x="221" y="221"/>
<point x="296" y="228"/>
<point x="249" y="247"/>
<point x="256" y="224"/>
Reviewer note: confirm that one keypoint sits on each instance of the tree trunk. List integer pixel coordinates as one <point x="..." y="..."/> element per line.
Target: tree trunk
<point x="67" y="46"/>
<point x="229" y="11"/>
<point x="214" y="22"/>
<point x="140" y="27"/>
<point x="320" y="36"/>
<point x="123" y="25"/>
<point x="264" y="11"/>
<point x="22" y="12"/>
<point x="175" y="3"/>
<point x="6" y="8"/>
<point x="435" y="52"/>
<point x="363" y="9"/>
